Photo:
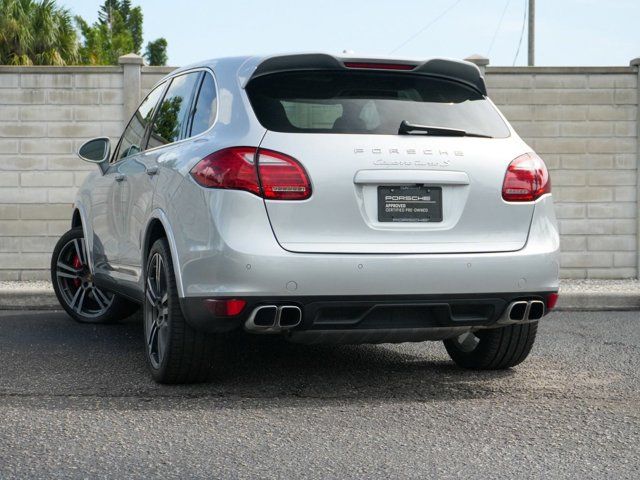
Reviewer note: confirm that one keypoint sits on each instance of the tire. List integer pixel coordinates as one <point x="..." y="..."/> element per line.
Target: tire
<point x="493" y="349"/>
<point x="73" y="284"/>
<point x="175" y="352"/>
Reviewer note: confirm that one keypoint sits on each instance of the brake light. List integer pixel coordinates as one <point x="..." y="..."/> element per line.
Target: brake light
<point x="282" y="177"/>
<point x="526" y="180"/>
<point x="276" y="177"/>
<point x="379" y="66"/>
<point x="232" y="168"/>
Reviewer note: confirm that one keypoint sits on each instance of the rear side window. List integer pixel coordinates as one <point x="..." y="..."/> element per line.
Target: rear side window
<point x="369" y="103"/>
<point x="206" y="106"/>
<point x="170" y="120"/>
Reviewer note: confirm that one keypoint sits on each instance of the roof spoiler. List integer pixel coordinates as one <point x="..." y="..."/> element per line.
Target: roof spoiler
<point x="457" y="70"/>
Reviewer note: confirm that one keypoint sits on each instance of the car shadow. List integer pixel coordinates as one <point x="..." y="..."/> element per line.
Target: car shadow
<point x="48" y="354"/>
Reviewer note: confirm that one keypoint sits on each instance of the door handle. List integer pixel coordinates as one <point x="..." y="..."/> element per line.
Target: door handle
<point x="119" y="177"/>
<point x="152" y="170"/>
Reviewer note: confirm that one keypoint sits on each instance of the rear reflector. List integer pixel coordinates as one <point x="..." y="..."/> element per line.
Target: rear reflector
<point x="552" y="299"/>
<point x="526" y="180"/>
<point x="380" y="66"/>
<point x="268" y="174"/>
<point x="229" y="307"/>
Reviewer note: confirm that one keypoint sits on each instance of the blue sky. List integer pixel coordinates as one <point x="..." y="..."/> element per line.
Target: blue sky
<point x="569" y="32"/>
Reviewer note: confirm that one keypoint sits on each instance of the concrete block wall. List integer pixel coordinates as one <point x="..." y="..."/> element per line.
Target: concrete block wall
<point x="46" y="113"/>
<point x="582" y="121"/>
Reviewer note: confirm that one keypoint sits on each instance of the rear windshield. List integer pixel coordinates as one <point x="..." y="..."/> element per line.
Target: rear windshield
<point x="369" y="103"/>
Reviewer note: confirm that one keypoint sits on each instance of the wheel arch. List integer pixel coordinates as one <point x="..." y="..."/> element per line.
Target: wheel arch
<point x="157" y="227"/>
<point x="79" y="219"/>
<point x="76" y="219"/>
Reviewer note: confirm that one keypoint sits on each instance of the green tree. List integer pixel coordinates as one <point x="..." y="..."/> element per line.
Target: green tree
<point x="156" y="52"/>
<point x="36" y="33"/>
<point x="112" y="35"/>
<point x="117" y="32"/>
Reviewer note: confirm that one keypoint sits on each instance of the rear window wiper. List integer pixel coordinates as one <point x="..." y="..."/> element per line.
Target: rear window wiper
<point x="407" y="128"/>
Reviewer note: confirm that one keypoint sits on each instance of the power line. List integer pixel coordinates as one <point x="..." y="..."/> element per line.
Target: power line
<point x="524" y="22"/>
<point x="423" y="29"/>
<point x="495" y="34"/>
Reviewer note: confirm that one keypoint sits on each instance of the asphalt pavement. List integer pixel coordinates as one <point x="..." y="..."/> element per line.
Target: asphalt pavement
<point x="77" y="402"/>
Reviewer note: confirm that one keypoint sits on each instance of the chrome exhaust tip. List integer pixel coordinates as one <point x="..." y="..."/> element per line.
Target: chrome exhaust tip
<point x="518" y="311"/>
<point x="262" y="319"/>
<point x="273" y="318"/>
<point x="290" y="316"/>
<point x="536" y="310"/>
<point x="523" y="311"/>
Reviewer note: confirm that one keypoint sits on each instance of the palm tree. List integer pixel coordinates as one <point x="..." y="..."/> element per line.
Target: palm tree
<point x="36" y="32"/>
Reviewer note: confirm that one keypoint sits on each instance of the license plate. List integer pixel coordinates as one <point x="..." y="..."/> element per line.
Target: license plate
<point x="409" y="204"/>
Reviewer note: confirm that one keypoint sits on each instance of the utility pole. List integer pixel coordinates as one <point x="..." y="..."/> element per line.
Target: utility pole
<point x="532" y="33"/>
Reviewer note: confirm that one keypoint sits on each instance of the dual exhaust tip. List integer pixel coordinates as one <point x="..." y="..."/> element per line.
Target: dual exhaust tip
<point x="523" y="311"/>
<point x="273" y="318"/>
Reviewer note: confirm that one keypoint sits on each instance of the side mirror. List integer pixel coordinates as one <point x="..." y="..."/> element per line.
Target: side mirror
<point x="97" y="150"/>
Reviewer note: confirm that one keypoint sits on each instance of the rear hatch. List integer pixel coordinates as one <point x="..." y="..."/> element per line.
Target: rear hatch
<point x="374" y="190"/>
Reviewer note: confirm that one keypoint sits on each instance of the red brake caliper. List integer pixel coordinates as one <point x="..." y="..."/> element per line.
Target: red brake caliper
<point x="76" y="264"/>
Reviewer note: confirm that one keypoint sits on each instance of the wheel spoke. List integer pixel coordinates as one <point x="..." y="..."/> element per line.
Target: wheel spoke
<point x="69" y="268"/>
<point x="75" y="298"/>
<point x="85" y="258"/>
<point x="81" y="300"/>
<point x="151" y="294"/>
<point x="67" y="271"/>
<point x="98" y="300"/>
<point x="78" y="250"/>
<point x="158" y="272"/>
<point x="68" y="275"/>
<point x="153" y="336"/>
<point x="100" y="297"/>
<point x="78" y="299"/>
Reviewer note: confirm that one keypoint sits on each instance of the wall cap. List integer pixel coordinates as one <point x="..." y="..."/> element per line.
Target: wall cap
<point x="158" y="69"/>
<point x="560" y="70"/>
<point x="130" y="59"/>
<point x="56" y="69"/>
<point x="635" y="62"/>
<point x="478" y="59"/>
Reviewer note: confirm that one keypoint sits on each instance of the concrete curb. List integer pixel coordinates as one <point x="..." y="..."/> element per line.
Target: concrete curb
<point x="28" y="300"/>
<point x="586" y="301"/>
<point x="579" y="295"/>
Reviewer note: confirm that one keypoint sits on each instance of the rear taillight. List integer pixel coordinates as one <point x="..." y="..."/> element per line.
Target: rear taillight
<point x="282" y="177"/>
<point x="526" y="179"/>
<point x="232" y="168"/>
<point x="276" y="177"/>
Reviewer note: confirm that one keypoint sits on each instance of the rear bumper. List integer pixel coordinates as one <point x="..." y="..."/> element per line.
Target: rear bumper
<point x="380" y="317"/>
<point x="247" y="261"/>
<point x="219" y="258"/>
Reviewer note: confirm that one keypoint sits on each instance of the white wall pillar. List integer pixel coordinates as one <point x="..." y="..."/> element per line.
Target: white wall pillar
<point x="131" y="67"/>
<point x="480" y="61"/>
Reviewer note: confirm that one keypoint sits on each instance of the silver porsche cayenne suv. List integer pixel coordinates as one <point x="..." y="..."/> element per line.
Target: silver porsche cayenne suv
<point x="324" y="199"/>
